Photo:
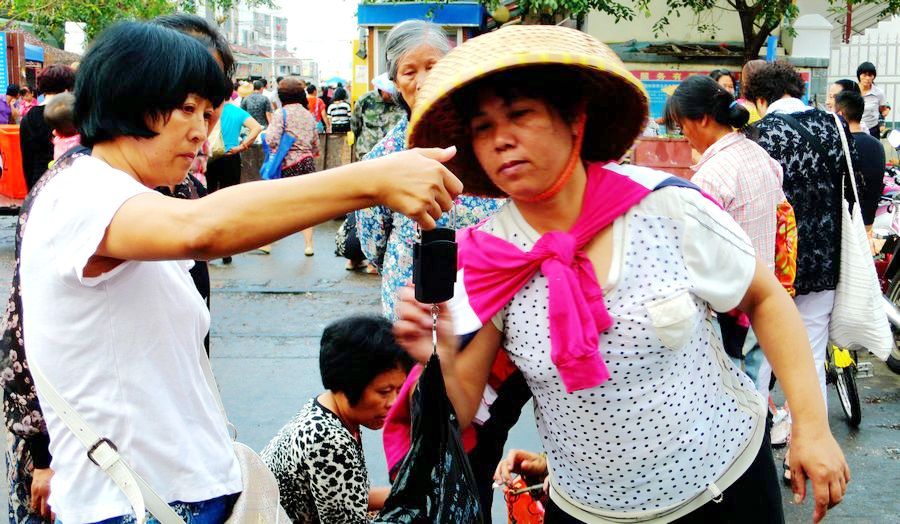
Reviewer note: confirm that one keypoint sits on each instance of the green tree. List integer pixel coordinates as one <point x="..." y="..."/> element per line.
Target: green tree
<point x="759" y="18"/>
<point x="49" y="16"/>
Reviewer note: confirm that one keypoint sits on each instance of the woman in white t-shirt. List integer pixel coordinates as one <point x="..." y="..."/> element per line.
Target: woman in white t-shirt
<point x="598" y="280"/>
<point x="112" y="317"/>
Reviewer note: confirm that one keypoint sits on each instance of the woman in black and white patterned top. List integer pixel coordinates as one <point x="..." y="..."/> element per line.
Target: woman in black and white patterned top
<point x="318" y="457"/>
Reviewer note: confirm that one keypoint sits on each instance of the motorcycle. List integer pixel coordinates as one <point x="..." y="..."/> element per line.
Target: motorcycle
<point x="886" y="228"/>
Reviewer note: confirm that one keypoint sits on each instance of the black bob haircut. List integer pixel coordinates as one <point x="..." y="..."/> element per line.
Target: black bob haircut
<point x="849" y="104"/>
<point x="716" y="74"/>
<point x="137" y="72"/>
<point x="702" y="95"/>
<point x="355" y="350"/>
<point x="772" y="81"/>
<point x="204" y="31"/>
<point x="866" y="67"/>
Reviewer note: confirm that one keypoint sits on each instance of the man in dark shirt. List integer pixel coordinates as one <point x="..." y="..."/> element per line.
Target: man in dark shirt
<point x="258" y="105"/>
<point x="35" y="136"/>
<point x="850" y="105"/>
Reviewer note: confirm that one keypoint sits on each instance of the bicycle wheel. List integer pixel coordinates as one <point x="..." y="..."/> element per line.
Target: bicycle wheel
<point x="845" y="383"/>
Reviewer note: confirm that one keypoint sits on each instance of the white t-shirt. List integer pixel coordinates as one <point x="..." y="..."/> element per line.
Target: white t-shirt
<point x="123" y="348"/>
<point x="675" y="414"/>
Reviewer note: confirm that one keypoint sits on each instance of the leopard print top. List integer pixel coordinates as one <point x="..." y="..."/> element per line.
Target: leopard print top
<point x="320" y="468"/>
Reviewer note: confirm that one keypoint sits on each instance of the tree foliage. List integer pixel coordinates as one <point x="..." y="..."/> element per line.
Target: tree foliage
<point x="758" y="18"/>
<point x="49" y="16"/>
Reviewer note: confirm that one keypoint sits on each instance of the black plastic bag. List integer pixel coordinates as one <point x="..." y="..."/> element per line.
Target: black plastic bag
<point x="434" y="483"/>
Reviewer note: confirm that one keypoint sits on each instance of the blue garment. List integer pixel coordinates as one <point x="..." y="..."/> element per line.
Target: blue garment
<point x="212" y="511"/>
<point x="232" y="121"/>
<point x="384" y="232"/>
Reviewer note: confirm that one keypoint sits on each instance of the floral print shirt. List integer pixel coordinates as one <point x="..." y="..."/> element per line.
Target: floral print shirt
<point x="387" y="237"/>
<point x="302" y="126"/>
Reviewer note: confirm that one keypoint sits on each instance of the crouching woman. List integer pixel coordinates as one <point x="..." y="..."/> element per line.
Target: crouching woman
<point x="318" y="457"/>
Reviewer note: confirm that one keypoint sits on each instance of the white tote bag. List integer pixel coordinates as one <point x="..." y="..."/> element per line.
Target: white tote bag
<point x="858" y="317"/>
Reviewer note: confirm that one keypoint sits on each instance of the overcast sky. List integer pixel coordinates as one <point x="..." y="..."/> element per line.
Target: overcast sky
<point x="323" y="30"/>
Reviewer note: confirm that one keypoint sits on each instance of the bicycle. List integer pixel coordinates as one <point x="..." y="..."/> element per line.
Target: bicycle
<point x="841" y="369"/>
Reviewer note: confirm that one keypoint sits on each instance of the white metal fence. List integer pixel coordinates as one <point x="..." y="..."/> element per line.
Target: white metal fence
<point x="882" y="49"/>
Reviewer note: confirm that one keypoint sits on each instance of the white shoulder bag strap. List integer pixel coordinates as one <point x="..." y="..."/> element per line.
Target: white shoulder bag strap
<point x="103" y="452"/>
<point x="840" y="126"/>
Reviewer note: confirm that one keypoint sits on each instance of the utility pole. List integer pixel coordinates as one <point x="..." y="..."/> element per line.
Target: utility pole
<point x="272" y="42"/>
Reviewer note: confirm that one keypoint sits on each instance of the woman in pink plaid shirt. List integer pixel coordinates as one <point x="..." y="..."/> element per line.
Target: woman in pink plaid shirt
<point x="737" y="172"/>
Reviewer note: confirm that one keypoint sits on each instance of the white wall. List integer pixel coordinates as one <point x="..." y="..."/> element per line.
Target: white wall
<point x="606" y="29"/>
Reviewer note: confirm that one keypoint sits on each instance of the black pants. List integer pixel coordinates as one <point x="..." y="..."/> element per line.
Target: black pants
<point x="511" y="398"/>
<point x="876" y="131"/>
<point x="223" y="172"/>
<point x="754" y="498"/>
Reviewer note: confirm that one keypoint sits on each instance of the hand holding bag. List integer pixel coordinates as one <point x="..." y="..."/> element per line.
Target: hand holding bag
<point x="271" y="166"/>
<point x="858" y="318"/>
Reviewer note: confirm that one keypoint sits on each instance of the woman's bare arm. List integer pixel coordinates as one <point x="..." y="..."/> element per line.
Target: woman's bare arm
<point x="465" y="372"/>
<point x="781" y="333"/>
<point x="154" y="227"/>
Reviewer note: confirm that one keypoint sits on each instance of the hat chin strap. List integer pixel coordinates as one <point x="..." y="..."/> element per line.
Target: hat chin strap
<point x="569" y="169"/>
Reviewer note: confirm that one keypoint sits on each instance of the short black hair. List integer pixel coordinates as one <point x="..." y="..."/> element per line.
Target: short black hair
<point x="136" y="72"/>
<point x="311" y="88"/>
<point x="848" y="85"/>
<point x="12" y="90"/>
<point x="866" y="67"/>
<point x="278" y="79"/>
<point x="55" y="79"/>
<point x="702" y="95"/>
<point x="202" y="30"/>
<point x="716" y="74"/>
<point x="340" y="94"/>
<point x="265" y="82"/>
<point x="355" y="350"/>
<point x="24" y="90"/>
<point x="772" y="81"/>
<point x="851" y="105"/>
<point x="525" y="82"/>
<point x="257" y="85"/>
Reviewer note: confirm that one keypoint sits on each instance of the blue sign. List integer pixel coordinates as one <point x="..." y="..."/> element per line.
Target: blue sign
<point x="461" y="14"/>
<point x="4" y="67"/>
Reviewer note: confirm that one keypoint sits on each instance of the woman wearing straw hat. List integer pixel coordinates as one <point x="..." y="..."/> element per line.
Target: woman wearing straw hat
<point x="597" y="280"/>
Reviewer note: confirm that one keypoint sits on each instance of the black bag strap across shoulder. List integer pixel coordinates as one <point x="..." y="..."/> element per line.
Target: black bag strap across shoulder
<point x="814" y="142"/>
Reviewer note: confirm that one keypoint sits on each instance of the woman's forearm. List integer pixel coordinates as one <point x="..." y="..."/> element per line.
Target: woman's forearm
<point x="782" y="336"/>
<point x="238" y="218"/>
<point x="152" y="227"/>
<point x="377" y="496"/>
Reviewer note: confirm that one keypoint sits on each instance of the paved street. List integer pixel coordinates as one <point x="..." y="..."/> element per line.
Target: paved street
<point x="269" y="311"/>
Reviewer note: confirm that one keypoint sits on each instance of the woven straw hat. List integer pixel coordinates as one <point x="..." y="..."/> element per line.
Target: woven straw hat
<point x="616" y="107"/>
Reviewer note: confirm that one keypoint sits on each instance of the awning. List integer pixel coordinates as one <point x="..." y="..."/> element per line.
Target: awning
<point x="459" y="14"/>
<point x="34" y="53"/>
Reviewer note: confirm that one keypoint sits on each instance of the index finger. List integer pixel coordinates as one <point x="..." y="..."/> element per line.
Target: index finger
<point x="453" y="184"/>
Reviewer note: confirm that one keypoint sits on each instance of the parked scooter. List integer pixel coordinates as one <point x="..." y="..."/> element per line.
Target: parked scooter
<point x="887" y="261"/>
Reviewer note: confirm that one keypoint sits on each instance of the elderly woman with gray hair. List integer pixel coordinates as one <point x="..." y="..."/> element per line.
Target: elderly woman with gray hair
<point x="411" y="49"/>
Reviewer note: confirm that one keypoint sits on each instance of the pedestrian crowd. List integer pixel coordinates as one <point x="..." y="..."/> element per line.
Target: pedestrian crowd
<point x="643" y="315"/>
